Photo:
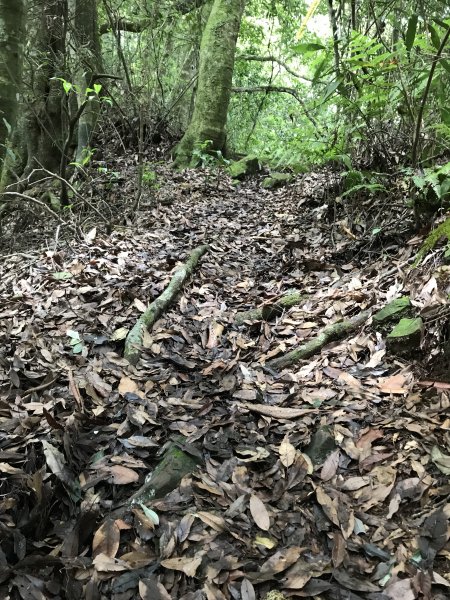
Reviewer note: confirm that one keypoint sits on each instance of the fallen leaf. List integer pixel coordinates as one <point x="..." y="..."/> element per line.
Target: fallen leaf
<point x="185" y="564"/>
<point x="106" y="539"/>
<point x="259" y="513"/>
<point x="287" y="453"/>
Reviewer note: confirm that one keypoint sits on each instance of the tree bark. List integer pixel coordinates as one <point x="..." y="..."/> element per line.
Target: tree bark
<point x="89" y="62"/>
<point x="334" y="29"/>
<point x="217" y="53"/>
<point x="270" y="309"/>
<point x="44" y="121"/>
<point x="330" y="333"/>
<point x="12" y="22"/>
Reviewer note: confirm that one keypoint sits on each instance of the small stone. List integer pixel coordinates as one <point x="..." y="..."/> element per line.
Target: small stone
<point x="276" y="180"/>
<point x="405" y="337"/>
<point x="322" y="444"/>
<point x="244" y="167"/>
<point x="394" y="309"/>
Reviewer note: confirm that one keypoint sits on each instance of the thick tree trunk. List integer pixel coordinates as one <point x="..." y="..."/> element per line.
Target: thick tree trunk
<point x="44" y="121"/>
<point x="90" y="62"/>
<point x="217" y="52"/>
<point x="12" y="36"/>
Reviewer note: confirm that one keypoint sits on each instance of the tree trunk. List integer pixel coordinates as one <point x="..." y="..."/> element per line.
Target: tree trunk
<point x="44" y="124"/>
<point x="89" y="62"/>
<point x="217" y="52"/>
<point x="12" y="16"/>
<point x="334" y="29"/>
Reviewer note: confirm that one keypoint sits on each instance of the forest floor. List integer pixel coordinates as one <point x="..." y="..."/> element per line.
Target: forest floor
<point x="365" y="517"/>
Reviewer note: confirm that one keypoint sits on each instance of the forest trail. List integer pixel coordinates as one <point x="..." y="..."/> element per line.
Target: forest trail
<point x="322" y="480"/>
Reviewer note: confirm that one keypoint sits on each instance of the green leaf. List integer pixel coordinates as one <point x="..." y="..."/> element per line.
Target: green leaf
<point x="445" y="64"/>
<point x="411" y="32"/>
<point x="445" y="115"/>
<point x="331" y="88"/>
<point x="62" y="275"/>
<point x="11" y="154"/>
<point x="97" y="88"/>
<point x="67" y="86"/>
<point x="73" y="334"/>
<point x="435" y="40"/>
<point x="320" y="69"/>
<point x="150" y="514"/>
<point x="307" y="47"/>
<point x="7" y="125"/>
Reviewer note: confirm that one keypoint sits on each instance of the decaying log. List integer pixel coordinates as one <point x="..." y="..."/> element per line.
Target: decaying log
<point x="270" y="310"/>
<point x="330" y="333"/>
<point x="158" y="306"/>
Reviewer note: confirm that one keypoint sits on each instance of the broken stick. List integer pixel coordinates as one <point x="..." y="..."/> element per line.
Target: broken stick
<point x="157" y="307"/>
<point x="332" y="332"/>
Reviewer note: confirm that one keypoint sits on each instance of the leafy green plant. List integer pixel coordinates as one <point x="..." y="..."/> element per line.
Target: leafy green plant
<point x="357" y="181"/>
<point x="150" y="178"/>
<point x="204" y="156"/>
<point x="433" y="184"/>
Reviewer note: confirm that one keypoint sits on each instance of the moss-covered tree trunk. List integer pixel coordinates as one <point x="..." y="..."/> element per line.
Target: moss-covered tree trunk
<point x="89" y="62"/>
<point x="44" y="120"/>
<point x="12" y="36"/>
<point x="217" y="52"/>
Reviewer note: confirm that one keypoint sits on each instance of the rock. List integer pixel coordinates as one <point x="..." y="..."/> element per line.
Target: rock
<point x="405" y="337"/>
<point x="249" y="165"/>
<point x="394" y="309"/>
<point x="276" y="180"/>
<point x="322" y="444"/>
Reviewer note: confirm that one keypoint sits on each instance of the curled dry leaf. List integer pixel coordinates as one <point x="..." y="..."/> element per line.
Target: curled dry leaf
<point x="106" y="564"/>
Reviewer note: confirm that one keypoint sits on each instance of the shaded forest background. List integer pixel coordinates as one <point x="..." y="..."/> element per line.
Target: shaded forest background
<point x="359" y="86"/>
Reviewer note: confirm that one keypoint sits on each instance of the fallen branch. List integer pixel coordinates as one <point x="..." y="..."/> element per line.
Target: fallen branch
<point x="328" y="334"/>
<point x="270" y="309"/>
<point x="158" y="306"/>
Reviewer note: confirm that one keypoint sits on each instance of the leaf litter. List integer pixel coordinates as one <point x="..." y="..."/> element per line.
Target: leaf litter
<point x="327" y="479"/>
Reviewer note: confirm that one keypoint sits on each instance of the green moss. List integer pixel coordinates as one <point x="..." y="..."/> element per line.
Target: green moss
<point x="443" y="230"/>
<point x="393" y="309"/>
<point x="249" y="165"/>
<point x="276" y="180"/>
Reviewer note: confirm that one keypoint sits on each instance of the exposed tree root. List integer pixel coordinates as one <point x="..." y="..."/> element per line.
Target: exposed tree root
<point x="328" y="334"/>
<point x="158" y="306"/>
<point x="270" y="310"/>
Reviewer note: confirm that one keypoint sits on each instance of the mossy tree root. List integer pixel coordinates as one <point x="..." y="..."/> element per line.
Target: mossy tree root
<point x="330" y="333"/>
<point x="158" y="306"/>
<point x="270" y="310"/>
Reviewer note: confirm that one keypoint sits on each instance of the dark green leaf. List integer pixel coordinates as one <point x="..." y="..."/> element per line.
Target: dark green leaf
<point x="319" y="70"/>
<point x="331" y="88"/>
<point x="307" y="47"/>
<point x="445" y="64"/>
<point x="411" y="32"/>
<point x="434" y="36"/>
